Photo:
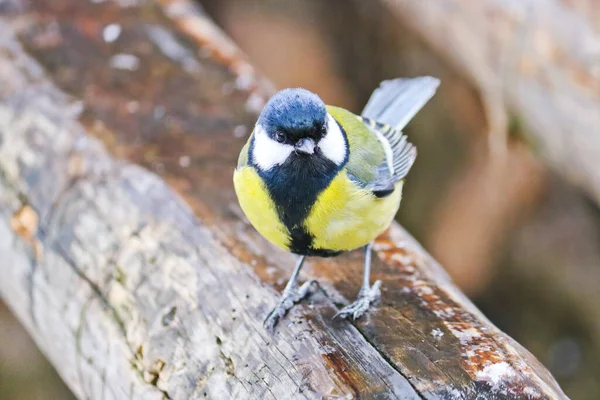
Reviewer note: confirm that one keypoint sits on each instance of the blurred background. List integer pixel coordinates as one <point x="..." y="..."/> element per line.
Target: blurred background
<point x="521" y="241"/>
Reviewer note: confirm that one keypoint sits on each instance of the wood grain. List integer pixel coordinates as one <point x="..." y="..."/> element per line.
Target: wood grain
<point x="126" y="255"/>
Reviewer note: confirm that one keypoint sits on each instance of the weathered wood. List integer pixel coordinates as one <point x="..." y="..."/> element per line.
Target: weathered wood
<point x="131" y="294"/>
<point x="534" y="62"/>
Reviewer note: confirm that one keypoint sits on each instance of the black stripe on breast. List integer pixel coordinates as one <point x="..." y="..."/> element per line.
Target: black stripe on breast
<point x="294" y="187"/>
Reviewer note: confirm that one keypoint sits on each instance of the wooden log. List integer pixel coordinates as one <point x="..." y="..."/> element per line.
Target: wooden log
<point x="114" y="113"/>
<point x="535" y="64"/>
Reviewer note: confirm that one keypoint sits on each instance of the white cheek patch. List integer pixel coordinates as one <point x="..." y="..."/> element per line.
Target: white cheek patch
<point x="266" y="152"/>
<point x="333" y="144"/>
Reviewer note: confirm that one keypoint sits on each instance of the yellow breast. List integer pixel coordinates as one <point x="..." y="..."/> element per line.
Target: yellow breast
<point x="346" y="217"/>
<point x="258" y="206"/>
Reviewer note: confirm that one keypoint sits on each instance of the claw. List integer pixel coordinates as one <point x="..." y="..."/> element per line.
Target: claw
<point x="288" y="299"/>
<point x="366" y="297"/>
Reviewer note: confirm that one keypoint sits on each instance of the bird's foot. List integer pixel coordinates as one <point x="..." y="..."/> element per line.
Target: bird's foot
<point x="366" y="297"/>
<point x="288" y="299"/>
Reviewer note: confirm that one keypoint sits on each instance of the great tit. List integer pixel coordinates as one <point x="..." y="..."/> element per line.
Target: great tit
<point x="318" y="180"/>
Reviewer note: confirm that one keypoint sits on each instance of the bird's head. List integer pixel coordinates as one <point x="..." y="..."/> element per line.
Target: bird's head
<point x="295" y="124"/>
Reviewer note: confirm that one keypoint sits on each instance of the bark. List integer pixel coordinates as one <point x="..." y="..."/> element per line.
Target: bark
<point x="536" y="66"/>
<point x="127" y="258"/>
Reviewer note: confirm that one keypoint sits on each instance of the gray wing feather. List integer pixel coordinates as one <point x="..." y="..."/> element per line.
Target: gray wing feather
<point x="389" y="109"/>
<point x="404" y="153"/>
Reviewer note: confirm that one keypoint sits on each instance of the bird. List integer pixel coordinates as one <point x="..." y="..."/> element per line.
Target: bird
<point x="318" y="180"/>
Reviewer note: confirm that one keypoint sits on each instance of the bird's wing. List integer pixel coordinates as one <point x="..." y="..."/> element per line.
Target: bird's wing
<point x="389" y="109"/>
<point x="400" y="156"/>
<point x="370" y="161"/>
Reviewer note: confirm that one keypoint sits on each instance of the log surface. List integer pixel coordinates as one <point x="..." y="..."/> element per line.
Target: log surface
<point x="536" y="64"/>
<point x="127" y="258"/>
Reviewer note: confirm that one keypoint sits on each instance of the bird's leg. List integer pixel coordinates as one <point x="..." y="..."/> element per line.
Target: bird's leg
<point x="367" y="295"/>
<point x="291" y="295"/>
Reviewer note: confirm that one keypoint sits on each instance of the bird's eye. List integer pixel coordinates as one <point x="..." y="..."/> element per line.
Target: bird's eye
<point x="280" y="137"/>
<point x="324" y="129"/>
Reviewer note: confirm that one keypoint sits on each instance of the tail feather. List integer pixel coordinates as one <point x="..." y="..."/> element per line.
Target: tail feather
<point x="397" y="101"/>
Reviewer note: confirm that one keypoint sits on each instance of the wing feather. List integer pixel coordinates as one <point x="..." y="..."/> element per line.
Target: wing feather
<point x="403" y="152"/>
<point x="389" y="109"/>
